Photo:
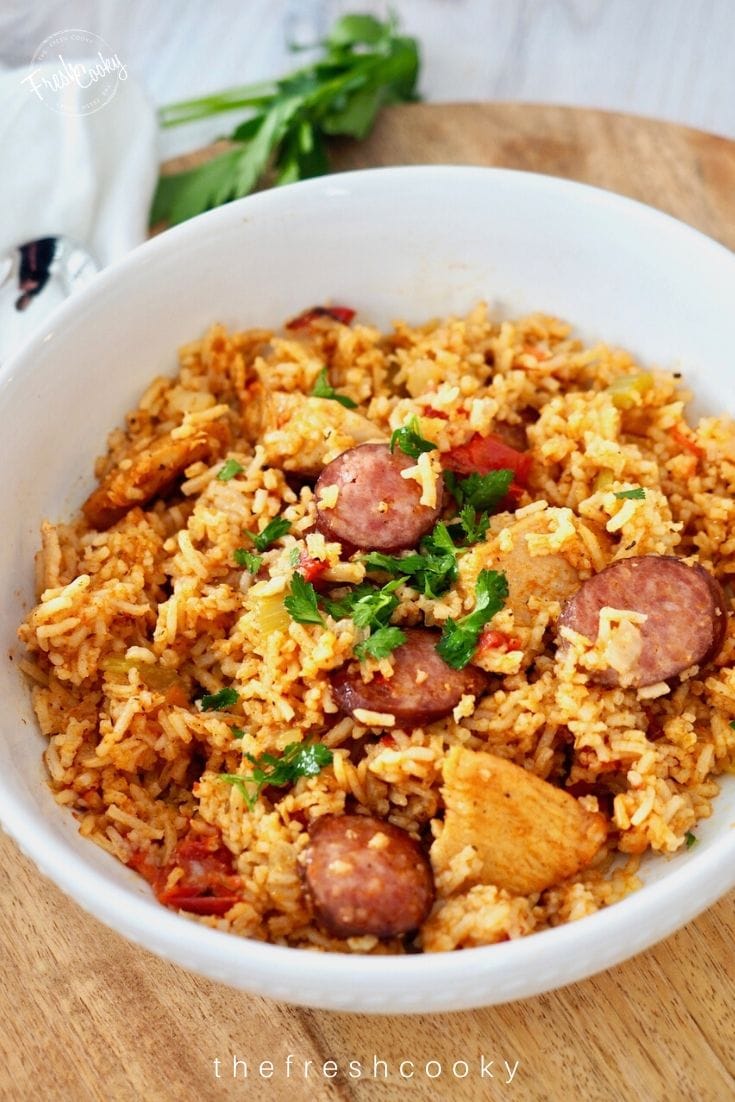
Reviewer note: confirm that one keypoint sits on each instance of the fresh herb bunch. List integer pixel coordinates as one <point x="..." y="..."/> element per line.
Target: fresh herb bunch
<point x="366" y="65"/>
<point x="299" y="759"/>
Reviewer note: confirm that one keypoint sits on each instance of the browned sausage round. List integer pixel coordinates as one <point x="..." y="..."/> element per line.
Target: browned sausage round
<point x="685" y="606"/>
<point x="366" y="876"/>
<point x="423" y="687"/>
<point x="376" y="509"/>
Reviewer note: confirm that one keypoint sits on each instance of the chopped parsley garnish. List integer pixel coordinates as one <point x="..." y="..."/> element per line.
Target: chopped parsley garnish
<point x="636" y="494"/>
<point x="299" y="759"/>
<point x="301" y="603"/>
<point x="483" y="492"/>
<point x="431" y="571"/>
<point x="324" y="389"/>
<point x="273" y="530"/>
<point x="375" y="607"/>
<point x="473" y="525"/>
<point x="370" y="608"/>
<point x="690" y="839"/>
<point x="237" y="732"/>
<point x="459" y="637"/>
<point x="394" y="564"/>
<point x="732" y="724"/>
<point x="217" y="702"/>
<point x="229" y="469"/>
<point x="410" y="440"/>
<point x="381" y="643"/>
<point x="294" y="555"/>
<point x="247" y="559"/>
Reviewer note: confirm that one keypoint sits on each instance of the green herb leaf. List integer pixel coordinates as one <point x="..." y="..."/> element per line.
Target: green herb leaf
<point x="690" y="839"/>
<point x="365" y="65"/>
<point x="294" y="555"/>
<point x="394" y="564"/>
<point x="459" y="637"/>
<point x="636" y="494"/>
<point x="247" y="559"/>
<point x="273" y="530"/>
<point x="217" y="702"/>
<point x="410" y="440"/>
<point x="483" y="492"/>
<point x="376" y="608"/>
<point x="474" y="525"/>
<point x="732" y="724"/>
<point x="432" y="572"/>
<point x="301" y="604"/>
<point x="237" y="732"/>
<point x="381" y="643"/>
<point x="299" y="759"/>
<point x="351" y="30"/>
<point x="229" y="469"/>
<point x="323" y="389"/>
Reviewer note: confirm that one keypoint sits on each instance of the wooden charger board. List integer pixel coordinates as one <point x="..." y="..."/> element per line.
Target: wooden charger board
<point x="88" y="1016"/>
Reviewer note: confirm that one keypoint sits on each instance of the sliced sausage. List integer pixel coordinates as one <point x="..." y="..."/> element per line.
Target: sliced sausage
<point x="423" y="687"/>
<point x="376" y="509"/>
<point x="366" y="876"/>
<point x="151" y="472"/>
<point x="685" y="606"/>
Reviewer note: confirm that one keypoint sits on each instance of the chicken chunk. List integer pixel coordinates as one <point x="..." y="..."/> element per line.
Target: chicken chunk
<point x="528" y="834"/>
<point x="148" y="473"/>
<point x="303" y="434"/>
<point x="551" y="575"/>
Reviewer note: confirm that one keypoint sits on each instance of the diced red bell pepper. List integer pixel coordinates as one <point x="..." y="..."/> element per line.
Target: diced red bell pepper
<point x="491" y="639"/>
<point x="311" y="569"/>
<point x="209" y="885"/>
<point x="483" y="454"/>
<point x="342" y="314"/>
<point x="685" y="442"/>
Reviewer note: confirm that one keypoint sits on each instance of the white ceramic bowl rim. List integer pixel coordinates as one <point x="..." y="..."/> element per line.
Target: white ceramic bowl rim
<point x="703" y="877"/>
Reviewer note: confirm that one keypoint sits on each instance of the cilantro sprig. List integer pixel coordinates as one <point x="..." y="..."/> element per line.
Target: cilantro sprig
<point x="432" y="570"/>
<point x="636" y="494"/>
<point x="301" y="603"/>
<point x="324" y="389"/>
<point x="459" y="637"/>
<point x="273" y="531"/>
<point x="366" y="64"/>
<point x="409" y="439"/>
<point x="229" y="469"/>
<point x="247" y="559"/>
<point x="217" y="702"/>
<point x="299" y="759"/>
<point x="483" y="492"/>
<point x="380" y="643"/>
<point x="477" y="495"/>
<point x="370" y="607"/>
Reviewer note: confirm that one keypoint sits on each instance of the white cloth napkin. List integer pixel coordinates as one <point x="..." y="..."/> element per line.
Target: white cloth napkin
<point x="87" y="175"/>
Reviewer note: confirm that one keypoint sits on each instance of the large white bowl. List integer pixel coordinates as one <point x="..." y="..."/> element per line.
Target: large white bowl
<point x="407" y="242"/>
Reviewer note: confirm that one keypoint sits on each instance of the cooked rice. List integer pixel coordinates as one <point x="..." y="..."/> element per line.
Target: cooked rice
<point x="138" y="762"/>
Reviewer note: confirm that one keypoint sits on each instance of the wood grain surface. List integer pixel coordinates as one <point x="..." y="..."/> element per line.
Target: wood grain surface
<point x="87" y="1016"/>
